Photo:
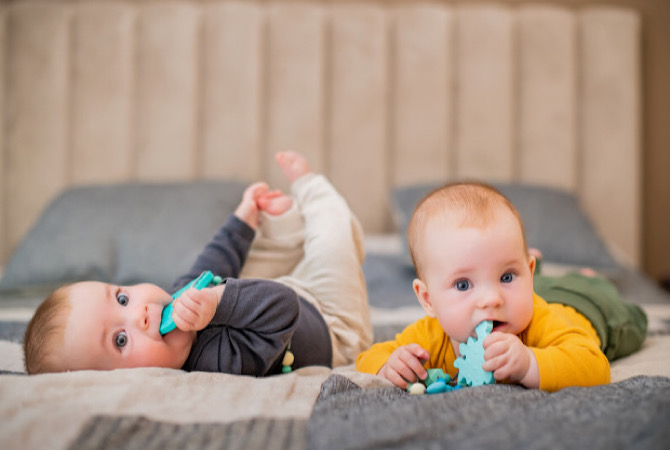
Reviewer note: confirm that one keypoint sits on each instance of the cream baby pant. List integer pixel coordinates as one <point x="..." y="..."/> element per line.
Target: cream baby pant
<point x="316" y="248"/>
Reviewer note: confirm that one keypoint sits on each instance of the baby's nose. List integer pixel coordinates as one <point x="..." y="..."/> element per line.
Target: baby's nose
<point x="491" y="298"/>
<point x="142" y="317"/>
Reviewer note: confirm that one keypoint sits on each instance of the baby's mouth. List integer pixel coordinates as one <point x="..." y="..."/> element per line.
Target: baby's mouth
<point x="497" y="325"/>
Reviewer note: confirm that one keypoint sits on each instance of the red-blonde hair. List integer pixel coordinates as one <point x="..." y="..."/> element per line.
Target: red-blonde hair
<point x="45" y="333"/>
<point x="465" y="204"/>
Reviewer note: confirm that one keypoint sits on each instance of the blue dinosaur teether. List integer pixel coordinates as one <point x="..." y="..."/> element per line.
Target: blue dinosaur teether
<point x="469" y="364"/>
<point x="204" y="280"/>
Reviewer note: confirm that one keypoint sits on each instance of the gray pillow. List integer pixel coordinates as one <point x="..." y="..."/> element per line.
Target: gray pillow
<point x="553" y="220"/>
<point x="121" y="234"/>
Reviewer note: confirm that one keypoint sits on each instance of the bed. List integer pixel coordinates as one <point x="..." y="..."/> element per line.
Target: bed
<point x="315" y="407"/>
<point x="129" y="118"/>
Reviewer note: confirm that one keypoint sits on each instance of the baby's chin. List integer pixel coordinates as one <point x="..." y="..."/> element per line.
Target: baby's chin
<point x="180" y="342"/>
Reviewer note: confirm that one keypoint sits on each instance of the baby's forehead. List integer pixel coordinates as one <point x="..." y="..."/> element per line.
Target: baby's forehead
<point x="465" y="216"/>
<point x="88" y="291"/>
<point x="90" y="285"/>
<point x="450" y="225"/>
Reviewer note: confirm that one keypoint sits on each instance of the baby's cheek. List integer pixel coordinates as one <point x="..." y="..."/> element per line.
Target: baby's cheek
<point x="176" y="348"/>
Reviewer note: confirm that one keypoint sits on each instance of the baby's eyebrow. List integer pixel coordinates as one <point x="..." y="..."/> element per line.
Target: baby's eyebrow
<point x="514" y="261"/>
<point x="109" y="297"/>
<point x="109" y="292"/>
<point x="103" y="338"/>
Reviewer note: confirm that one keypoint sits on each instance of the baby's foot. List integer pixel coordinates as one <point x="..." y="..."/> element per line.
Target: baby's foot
<point x="588" y="272"/>
<point x="274" y="204"/>
<point x="535" y="252"/>
<point x="293" y="165"/>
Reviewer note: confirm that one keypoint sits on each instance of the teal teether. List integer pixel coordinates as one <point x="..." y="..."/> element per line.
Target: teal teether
<point x="438" y="387"/>
<point x="469" y="364"/>
<point x="435" y="383"/>
<point x="204" y="280"/>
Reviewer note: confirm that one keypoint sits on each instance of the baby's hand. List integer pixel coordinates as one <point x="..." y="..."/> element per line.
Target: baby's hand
<point x="405" y="365"/>
<point x="509" y="359"/>
<point x="247" y="210"/>
<point x="194" y="309"/>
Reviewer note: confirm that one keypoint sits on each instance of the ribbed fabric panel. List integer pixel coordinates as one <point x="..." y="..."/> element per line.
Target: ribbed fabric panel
<point x="376" y="95"/>
<point x="140" y="433"/>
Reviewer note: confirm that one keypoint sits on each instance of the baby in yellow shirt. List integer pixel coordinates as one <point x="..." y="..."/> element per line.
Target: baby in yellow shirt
<point x="469" y="250"/>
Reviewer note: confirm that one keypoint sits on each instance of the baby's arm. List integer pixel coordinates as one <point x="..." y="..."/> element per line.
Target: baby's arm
<point x="250" y="329"/>
<point x="509" y="359"/>
<point x="224" y="255"/>
<point x="405" y="365"/>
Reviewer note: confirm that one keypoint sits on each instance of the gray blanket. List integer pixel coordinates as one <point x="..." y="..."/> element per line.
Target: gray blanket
<point x="631" y="413"/>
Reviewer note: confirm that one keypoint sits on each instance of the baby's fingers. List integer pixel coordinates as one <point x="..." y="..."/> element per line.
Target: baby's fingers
<point x="414" y="358"/>
<point x="395" y="378"/>
<point x="405" y="374"/>
<point x="194" y="309"/>
<point x="185" y="312"/>
<point x="405" y="362"/>
<point x="255" y="190"/>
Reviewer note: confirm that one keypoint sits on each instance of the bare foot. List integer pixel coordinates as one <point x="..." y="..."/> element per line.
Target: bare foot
<point x="535" y="252"/>
<point x="293" y="165"/>
<point x="588" y="272"/>
<point x="274" y="203"/>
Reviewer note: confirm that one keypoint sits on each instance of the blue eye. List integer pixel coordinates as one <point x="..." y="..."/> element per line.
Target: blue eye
<point x="121" y="339"/>
<point x="507" y="277"/>
<point x="122" y="299"/>
<point x="462" y="285"/>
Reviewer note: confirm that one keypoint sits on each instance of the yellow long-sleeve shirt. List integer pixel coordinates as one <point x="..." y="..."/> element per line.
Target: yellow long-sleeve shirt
<point x="565" y="344"/>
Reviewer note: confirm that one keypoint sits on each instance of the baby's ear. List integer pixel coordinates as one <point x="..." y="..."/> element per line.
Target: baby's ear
<point x="532" y="263"/>
<point x="422" y="295"/>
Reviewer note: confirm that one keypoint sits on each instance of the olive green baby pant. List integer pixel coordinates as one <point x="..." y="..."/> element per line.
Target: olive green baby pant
<point x="621" y="326"/>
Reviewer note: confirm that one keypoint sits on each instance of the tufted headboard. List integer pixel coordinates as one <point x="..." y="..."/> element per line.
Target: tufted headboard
<point x="376" y="94"/>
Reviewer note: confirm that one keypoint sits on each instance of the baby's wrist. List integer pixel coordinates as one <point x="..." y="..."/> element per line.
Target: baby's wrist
<point x="219" y="291"/>
<point x="247" y="216"/>
<point x="531" y="379"/>
<point x="382" y="370"/>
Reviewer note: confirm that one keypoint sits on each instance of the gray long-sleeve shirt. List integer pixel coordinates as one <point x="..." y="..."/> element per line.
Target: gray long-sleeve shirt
<point x="256" y="319"/>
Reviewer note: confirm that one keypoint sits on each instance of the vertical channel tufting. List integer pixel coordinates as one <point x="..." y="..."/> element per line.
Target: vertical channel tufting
<point x="102" y="92"/>
<point x="232" y="91"/>
<point x="359" y="109"/>
<point x="295" y="76"/>
<point x="485" y="92"/>
<point x="547" y="134"/>
<point x="422" y="94"/>
<point x="167" y="93"/>
<point x="37" y="108"/>
<point x="376" y="94"/>
<point x="610" y="136"/>
<point x="4" y="248"/>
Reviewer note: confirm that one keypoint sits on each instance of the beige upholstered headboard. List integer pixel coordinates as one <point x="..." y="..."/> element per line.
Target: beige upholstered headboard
<point x="376" y="94"/>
